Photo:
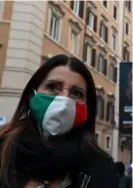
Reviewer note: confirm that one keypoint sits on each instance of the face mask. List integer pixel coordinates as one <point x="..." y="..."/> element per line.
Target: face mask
<point x="57" y="115"/>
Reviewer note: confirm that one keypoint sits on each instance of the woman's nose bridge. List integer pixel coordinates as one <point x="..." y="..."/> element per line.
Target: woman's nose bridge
<point x="65" y="92"/>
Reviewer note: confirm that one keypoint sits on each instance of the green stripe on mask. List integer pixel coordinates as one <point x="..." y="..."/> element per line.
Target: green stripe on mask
<point x="39" y="104"/>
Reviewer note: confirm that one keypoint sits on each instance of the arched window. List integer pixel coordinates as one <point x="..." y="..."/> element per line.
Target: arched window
<point x="100" y="103"/>
<point x="110" y="110"/>
<point x="113" y="72"/>
<point x="100" y="107"/>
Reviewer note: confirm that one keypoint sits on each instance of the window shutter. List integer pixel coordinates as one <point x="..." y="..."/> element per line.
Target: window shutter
<point x="87" y="16"/>
<point x="101" y="113"/>
<point x="99" y="63"/>
<point x="95" y="23"/>
<point x="115" y="12"/>
<point x="97" y="105"/>
<point x="93" y="58"/>
<point x="72" y="4"/>
<point x="106" y="34"/>
<point x="115" y="74"/>
<point x="100" y="31"/>
<point x="127" y="28"/>
<point x="128" y="56"/>
<point x="112" y="114"/>
<point x="129" y="5"/>
<point x="107" y="111"/>
<point x="85" y="52"/>
<point x="81" y="9"/>
<point x="105" y="67"/>
<point x="124" y="53"/>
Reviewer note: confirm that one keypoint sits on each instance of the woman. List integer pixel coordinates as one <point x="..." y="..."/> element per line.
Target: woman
<point x="49" y="142"/>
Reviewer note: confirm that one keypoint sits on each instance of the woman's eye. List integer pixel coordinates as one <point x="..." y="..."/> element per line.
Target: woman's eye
<point x="52" y="87"/>
<point x="77" y="95"/>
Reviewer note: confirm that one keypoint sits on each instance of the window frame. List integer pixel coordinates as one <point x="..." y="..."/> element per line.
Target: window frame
<point x="110" y="112"/>
<point x="98" y="138"/>
<point x="73" y="46"/>
<point x="2" y="6"/>
<point x="88" y="48"/>
<point x="100" y="104"/>
<point x="104" y="64"/>
<point x="110" y="144"/>
<point x="128" y="5"/>
<point x="112" y="72"/>
<point x="103" y="32"/>
<point x="59" y="18"/>
<point x="113" y="42"/>
<point x="76" y="7"/>
<point x="126" y="54"/>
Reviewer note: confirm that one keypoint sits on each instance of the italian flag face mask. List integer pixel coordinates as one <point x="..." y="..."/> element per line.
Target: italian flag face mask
<point x="57" y="115"/>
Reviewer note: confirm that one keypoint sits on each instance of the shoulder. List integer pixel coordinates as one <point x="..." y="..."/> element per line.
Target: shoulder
<point x="108" y="176"/>
<point x="103" y="173"/>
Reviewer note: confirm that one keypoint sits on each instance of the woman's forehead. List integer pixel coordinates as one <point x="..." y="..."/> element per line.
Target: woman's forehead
<point x="65" y="75"/>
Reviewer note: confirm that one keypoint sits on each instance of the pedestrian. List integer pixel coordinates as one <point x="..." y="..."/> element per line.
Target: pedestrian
<point x="123" y="180"/>
<point x="50" y="140"/>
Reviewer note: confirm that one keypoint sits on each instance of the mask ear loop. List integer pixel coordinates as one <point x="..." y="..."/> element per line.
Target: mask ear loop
<point x="34" y="91"/>
<point x="29" y="111"/>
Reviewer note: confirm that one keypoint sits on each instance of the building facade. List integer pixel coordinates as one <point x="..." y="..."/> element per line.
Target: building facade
<point x="97" y="32"/>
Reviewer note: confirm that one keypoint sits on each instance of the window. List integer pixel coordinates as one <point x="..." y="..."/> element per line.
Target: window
<point x="113" y="41"/>
<point x="100" y="107"/>
<point x="91" y="20"/>
<point x="128" y="5"/>
<point x="2" y="3"/>
<point x="97" y="136"/>
<point x="126" y="54"/>
<point x="127" y="28"/>
<point x="104" y="32"/>
<point x="110" y="112"/>
<point x="105" y="3"/>
<point x="115" y="12"/>
<point x="112" y="72"/>
<point x="74" y="42"/>
<point x="54" y="26"/>
<point x="108" y="142"/>
<point x="102" y="64"/>
<point x="89" y="54"/>
<point x="74" y="37"/>
<point x="78" y="7"/>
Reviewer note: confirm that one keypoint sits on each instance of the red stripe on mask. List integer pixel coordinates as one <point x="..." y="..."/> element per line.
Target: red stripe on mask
<point x="81" y="115"/>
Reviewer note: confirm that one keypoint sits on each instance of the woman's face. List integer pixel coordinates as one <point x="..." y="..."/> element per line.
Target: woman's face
<point x="64" y="82"/>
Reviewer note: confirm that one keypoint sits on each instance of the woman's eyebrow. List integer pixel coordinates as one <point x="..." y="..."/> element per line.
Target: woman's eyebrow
<point x="51" y="81"/>
<point x="78" y="88"/>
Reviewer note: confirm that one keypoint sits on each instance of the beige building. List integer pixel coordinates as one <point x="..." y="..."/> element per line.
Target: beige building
<point x="97" y="32"/>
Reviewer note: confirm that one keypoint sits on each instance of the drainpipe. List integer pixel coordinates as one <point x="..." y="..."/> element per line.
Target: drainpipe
<point x="85" y="28"/>
<point x="115" y="132"/>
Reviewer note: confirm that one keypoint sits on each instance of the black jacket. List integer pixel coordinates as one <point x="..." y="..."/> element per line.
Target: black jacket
<point x="98" y="174"/>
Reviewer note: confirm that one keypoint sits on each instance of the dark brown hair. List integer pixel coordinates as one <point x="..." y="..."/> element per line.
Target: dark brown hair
<point x="12" y="132"/>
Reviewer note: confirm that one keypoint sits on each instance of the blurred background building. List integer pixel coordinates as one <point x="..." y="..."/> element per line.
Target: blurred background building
<point x="97" y="32"/>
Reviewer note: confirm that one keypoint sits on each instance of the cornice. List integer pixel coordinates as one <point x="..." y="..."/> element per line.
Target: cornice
<point x="10" y="92"/>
